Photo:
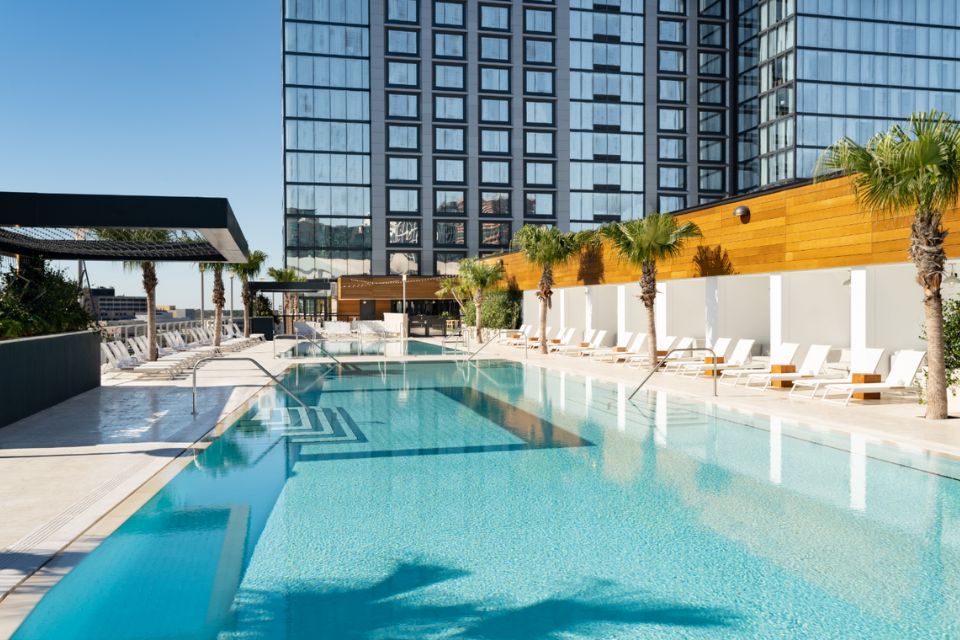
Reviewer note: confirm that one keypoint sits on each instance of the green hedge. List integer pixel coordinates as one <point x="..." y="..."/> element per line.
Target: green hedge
<point x="39" y="300"/>
<point x="501" y="310"/>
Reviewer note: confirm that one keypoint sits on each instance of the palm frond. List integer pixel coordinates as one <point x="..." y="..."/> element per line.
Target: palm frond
<point x="251" y="268"/>
<point x="658" y="236"/>
<point x="548" y="246"/>
<point x="912" y="167"/>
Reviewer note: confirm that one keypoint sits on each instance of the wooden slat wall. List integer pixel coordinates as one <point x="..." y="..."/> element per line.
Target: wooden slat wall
<point x="347" y="309"/>
<point x="386" y="288"/>
<point x="813" y="226"/>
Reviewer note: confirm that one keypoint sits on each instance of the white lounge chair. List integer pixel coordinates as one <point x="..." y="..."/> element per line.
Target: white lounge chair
<point x="624" y="342"/>
<point x="253" y="336"/>
<point x="565" y="337"/>
<point x="534" y="342"/>
<point x="720" y="349"/>
<point x="637" y="348"/>
<point x="532" y="337"/>
<point x="903" y="371"/>
<point x="116" y="360"/>
<point x="862" y="361"/>
<point x="336" y="330"/>
<point x="785" y="354"/>
<point x="811" y="366"/>
<point x="664" y="343"/>
<point x="506" y="336"/>
<point x="595" y="342"/>
<point x="577" y="347"/>
<point x="184" y="358"/>
<point x="740" y="357"/>
<point x="517" y="340"/>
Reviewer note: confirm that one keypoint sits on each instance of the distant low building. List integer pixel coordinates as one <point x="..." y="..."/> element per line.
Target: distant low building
<point x="110" y="307"/>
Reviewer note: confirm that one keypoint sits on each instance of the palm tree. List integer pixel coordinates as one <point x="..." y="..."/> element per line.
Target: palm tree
<point x="454" y="288"/>
<point x="548" y="247"/>
<point x="288" y="274"/>
<point x="245" y="271"/>
<point x="914" y="168"/>
<point x="477" y="278"/>
<point x="642" y="243"/>
<point x="148" y="269"/>
<point x="219" y="297"/>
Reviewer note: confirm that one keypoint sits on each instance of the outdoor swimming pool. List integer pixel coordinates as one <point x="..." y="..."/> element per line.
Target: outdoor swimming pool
<point x="437" y="500"/>
<point x="389" y="348"/>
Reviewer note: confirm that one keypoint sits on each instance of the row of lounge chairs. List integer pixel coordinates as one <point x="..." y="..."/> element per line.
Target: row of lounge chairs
<point x="811" y="375"/>
<point x="736" y="364"/>
<point x="176" y="350"/>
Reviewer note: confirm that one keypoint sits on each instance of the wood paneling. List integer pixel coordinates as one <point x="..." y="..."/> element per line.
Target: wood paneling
<point x="387" y="288"/>
<point x="812" y="226"/>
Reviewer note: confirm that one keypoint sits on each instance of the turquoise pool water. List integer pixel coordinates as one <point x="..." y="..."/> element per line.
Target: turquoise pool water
<point x="433" y="500"/>
<point x="390" y="348"/>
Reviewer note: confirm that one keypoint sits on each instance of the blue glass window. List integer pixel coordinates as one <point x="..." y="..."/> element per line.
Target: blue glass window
<point x="402" y="10"/>
<point x="494" y="17"/>
<point x="402" y="73"/>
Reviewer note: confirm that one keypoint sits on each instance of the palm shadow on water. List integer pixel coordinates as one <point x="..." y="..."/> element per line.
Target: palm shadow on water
<point x="398" y="607"/>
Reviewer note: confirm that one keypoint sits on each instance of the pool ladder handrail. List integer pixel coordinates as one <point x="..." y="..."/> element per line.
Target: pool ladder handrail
<point x="297" y="337"/>
<point x="241" y="358"/>
<point x="664" y="359"/>
<point x="481" y="348"/>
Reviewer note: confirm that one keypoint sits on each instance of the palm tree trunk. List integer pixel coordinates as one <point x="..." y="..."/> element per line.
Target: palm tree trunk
<point x="648" y="294"/>
<point x="217" y="324"/>
<point x="218" y="300"/>
<point x="926" y="250"/>
<point x="150" y="288"/>
<point x="543" y="323"/>
<point x="246" y="309"/>
<point x="545" y="294"/>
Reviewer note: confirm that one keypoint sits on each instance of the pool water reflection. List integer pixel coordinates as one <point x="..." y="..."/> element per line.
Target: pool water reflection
<point x="436" y="500"/>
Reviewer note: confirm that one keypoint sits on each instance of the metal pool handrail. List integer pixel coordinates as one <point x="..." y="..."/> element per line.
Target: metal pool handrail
<point x="297" y="337"/>
<point x="482" y="347"/>
<point x="259" y="366"/>
<point x="664" y="359"/>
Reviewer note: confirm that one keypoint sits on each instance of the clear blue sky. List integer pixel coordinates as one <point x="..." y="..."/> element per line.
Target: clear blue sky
<point x="180" y="97"/>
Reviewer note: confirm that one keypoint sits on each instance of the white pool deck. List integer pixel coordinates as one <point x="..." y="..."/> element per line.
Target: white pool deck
<point x="71" y="474"/>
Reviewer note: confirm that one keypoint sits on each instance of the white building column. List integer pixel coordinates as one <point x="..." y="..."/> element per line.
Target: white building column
<point x="712" y="303"/>
<point x="588" y="311"/>
<point x="858" y="310"/>
<point x="776" y="311"/>
<point x="621" y="310"/>
<point x="562" y="301"/>
<point x="660" y="309"/>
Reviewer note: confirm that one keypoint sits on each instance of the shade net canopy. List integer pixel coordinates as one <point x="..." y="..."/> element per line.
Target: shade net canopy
<point x="127" y="228"/>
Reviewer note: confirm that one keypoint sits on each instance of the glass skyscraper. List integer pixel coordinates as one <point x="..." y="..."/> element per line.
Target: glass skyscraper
<point x="418" y="132"/>
<point x="813" y="71"/>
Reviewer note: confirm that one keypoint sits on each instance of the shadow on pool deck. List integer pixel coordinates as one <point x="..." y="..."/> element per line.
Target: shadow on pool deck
<point x="396" y="607"/>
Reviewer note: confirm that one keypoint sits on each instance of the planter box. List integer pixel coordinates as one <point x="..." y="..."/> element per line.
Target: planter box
<point x="39" y="372"/>
<point x="262" y="324"/>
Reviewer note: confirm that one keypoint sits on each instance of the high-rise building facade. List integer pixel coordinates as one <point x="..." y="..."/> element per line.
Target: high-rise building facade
<point x="418" y="132"/>
<point x="813" y="71"/>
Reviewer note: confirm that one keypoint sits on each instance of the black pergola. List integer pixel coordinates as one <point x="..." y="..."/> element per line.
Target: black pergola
<point x="62" y="226"/>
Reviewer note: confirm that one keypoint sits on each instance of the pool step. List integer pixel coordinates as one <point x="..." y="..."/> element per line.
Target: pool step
<point x="305" y="425"/>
